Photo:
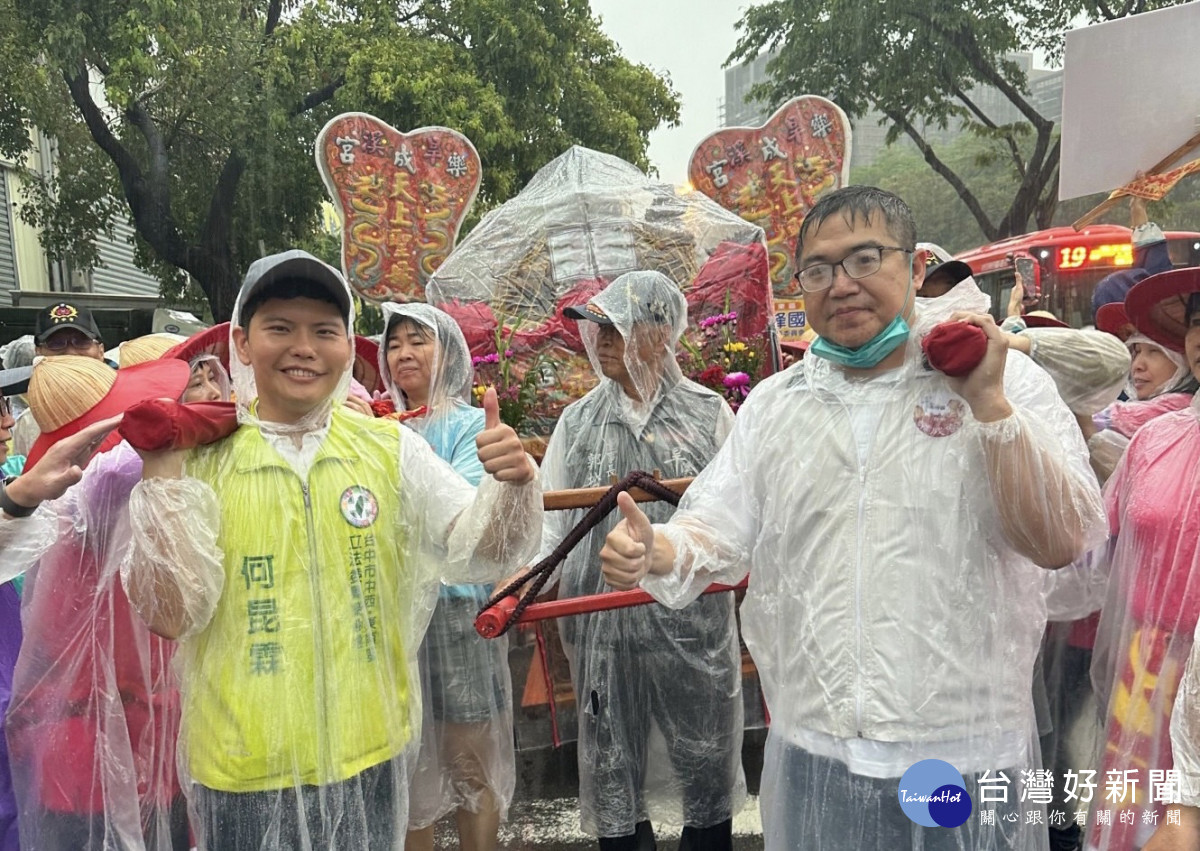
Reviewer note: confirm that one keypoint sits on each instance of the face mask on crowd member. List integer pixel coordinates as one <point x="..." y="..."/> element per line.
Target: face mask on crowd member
<point x="860" y="274"/>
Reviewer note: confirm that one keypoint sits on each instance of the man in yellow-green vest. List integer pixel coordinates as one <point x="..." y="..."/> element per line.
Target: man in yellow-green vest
<point x="297" y="562"/>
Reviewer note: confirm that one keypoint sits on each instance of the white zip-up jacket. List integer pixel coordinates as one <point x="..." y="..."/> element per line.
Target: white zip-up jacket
<point x="884" y="601"/>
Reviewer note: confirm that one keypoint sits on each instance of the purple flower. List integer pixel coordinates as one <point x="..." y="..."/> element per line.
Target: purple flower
<point x="739" y="382"/>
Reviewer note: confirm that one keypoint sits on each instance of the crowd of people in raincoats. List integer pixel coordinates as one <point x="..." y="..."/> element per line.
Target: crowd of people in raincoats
<point x="970" y="550"/>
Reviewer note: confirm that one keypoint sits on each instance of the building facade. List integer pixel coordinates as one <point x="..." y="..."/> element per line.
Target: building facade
<point x="28" y="277"/>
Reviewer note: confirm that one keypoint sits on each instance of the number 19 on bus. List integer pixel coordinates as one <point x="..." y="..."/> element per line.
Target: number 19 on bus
<point x="1072" y="256"/>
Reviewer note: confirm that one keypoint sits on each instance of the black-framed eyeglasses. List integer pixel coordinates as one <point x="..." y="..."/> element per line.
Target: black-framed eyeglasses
<point x="5" y="407"/>
<point x="62" y="342"/>
<point x="859" y="263"/>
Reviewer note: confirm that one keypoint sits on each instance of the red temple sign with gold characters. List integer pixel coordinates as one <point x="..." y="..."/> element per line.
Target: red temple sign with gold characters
<point x="773" y="174"/>
<point x="402" y="198"/>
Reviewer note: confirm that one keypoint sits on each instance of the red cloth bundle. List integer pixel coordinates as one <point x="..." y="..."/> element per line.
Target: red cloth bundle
<point x="384" y="408"/>
<point x="955" y="348"/>
<point x="160" y="424"/>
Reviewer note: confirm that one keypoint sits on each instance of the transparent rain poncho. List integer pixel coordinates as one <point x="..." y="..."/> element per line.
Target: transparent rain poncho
<point x="1089" y="368"/>
<point x="94" y="715"/>
<point x="1116" y="423"/>
<point x="1185" y="732"/>
<point x="466" y="759"/>
<point x="648" y="680"/>
<point x="299" y="564"/>
<point x="894" y="609"/>
<point x="1148" y="621"/>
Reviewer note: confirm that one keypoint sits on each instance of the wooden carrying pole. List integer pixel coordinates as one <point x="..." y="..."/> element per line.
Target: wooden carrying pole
<point x="1108" y="203"/>
<point x="491" y="622"/>
<point x="587" y="497"/>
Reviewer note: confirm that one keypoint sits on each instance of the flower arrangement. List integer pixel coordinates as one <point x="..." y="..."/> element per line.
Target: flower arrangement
<point x="515" y="379"/>
<point x="717" y="359"/>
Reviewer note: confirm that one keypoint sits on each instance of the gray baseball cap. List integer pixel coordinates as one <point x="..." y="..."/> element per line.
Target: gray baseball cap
<point x="295" y="264"/>
<point x="632" y="298"/>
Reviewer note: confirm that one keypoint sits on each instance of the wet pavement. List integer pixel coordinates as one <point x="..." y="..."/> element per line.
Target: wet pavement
<point x="554" y="824"/>
<point x="545" y="812"/>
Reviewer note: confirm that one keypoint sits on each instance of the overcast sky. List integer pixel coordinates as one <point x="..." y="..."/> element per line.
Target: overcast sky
<point x="688" y="39"/>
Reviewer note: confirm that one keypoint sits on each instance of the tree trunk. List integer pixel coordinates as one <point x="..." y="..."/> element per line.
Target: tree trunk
<point x="217" y="276"/>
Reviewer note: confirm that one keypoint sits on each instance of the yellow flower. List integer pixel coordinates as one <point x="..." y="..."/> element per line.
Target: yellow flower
<point x="479" y="390"/>
<point x="734" y="347"/>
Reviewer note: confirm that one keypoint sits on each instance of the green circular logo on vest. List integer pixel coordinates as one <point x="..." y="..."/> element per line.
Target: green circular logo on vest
<point x="359" y="506"/>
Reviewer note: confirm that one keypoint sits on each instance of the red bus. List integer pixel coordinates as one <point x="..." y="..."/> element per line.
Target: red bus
<point x="1069" y="263"/>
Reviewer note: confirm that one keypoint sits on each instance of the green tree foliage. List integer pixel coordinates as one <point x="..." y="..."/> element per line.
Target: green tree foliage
<point x="196" y="118"/>
<point x="943" y="218"/>
<point x="920" y="63"/>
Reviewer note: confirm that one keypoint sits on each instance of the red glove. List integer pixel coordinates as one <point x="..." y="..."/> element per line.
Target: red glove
<point x="955" y="348"/>
<point x="159" y="424"/>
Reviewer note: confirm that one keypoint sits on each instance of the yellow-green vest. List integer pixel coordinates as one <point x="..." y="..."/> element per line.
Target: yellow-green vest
<point x="301" y="676"/>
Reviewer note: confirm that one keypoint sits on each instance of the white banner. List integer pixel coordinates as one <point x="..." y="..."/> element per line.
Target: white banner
<point x="1131" y="96"/>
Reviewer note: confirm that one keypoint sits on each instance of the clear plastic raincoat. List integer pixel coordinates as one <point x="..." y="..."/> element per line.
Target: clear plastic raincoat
<point x="893" y="610"/>
<point x="301" y="561"/>
<point x="1117" y="422"/>
<point x="1185" y="733"/>
<point x="466" y="759"/>
<point x="94" y="715"/>
<point x="1146" y="628"/>
<point x="583" y="219"/>
<point x="1089" y="368"/>
<point x="645" y="673"/>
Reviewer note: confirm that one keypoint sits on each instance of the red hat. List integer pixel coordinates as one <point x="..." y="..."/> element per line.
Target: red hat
<point x="1157" y="306"/>
<point x="366" y="364"/>
<point x="69" y="395"/>
<point x="1043" y="319"/>
<point x="1112" y="319"/>
<point x="210" y="341"/>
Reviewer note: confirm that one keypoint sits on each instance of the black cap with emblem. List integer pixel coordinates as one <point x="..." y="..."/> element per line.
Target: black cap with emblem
<point x="58" y="317"/>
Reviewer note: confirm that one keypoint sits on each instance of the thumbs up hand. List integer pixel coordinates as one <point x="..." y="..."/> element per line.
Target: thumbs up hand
<point x="500" y="450"/>
<point x="627" y="551"/>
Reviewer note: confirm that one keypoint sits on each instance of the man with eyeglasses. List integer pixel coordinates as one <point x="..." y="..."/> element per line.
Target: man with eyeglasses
<point x="66" y="329"/>
<point x="894" y="523"/>
<point x="60" y="329"/>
